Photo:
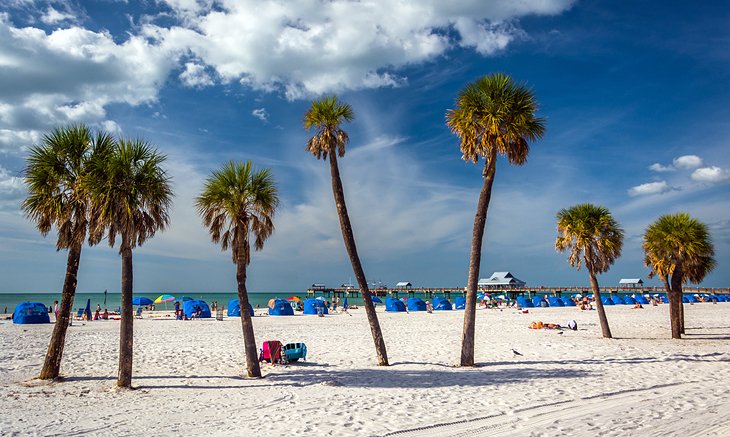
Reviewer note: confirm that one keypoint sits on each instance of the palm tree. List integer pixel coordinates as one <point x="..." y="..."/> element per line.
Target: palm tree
<point x="56" y="176"/>
<point x="679" y="247"/>
<point x="493" y="115"/>
<point x="237" y="201"/>
<point x="131" y="197"/>
<point x="326" y="115"/>
<point x="593" y="238"/>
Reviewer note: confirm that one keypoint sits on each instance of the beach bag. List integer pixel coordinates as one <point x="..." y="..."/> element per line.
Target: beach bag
<point x="271" y="352"/>
<point x="573" y="325"/>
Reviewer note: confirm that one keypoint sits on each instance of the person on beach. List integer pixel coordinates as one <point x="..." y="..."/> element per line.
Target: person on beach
<point x="97" y="313"/>
<point x="55" y="308"/>
<point x="638" y="306"/>
<point x="105" y="315"/>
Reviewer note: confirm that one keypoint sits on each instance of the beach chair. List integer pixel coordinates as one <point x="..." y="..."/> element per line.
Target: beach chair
<point x="138" y="314"/>
<point x="271" y="352"/>
<point x="295" y="351"/>
<point x="80" y="314"/>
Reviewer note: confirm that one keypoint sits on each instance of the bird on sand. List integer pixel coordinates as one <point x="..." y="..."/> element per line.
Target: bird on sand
<point x="516" y="353"/>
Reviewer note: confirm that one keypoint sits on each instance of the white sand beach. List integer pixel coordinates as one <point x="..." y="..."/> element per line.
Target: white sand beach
<point x="187" y="376"/>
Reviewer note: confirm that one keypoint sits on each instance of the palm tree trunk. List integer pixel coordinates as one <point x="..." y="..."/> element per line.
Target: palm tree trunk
<point x="676" y="302"/>
<point x="480" y="221"/>
<point x="52" y="364"/>
<point x="126" y="329"/>
<point x="253" y="369"/>
<point x="349" y="238"/>
<point x="599" y="306"/>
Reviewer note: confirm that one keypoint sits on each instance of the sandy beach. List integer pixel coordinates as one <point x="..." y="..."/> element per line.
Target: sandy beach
<point x="188" y="377"/>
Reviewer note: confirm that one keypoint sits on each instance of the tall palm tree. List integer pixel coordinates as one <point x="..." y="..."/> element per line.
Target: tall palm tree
<point x="326" y="115"/>
<point x="594" y="238"/>
<point x="131" y="197"/>
<point x="238" y="201"/>
<point x="56" y="175"/>
<point x="493" y="116"/>
<point x="678" y="248"/>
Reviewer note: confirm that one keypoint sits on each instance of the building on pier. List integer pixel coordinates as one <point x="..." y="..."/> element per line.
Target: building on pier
<point x="501" y="280"/>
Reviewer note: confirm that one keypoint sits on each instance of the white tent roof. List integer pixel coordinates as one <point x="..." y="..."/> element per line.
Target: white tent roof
<point x="631" y="281"/>
<point x="501" y="278"/>
<point x="404" y="284"/>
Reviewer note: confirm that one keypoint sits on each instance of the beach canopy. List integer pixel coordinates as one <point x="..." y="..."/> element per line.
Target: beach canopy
<point x="294" y="298"/>
<point x="164" y="298"/>
<point x="234" y="308"/>
<point x="375" y="299"/>
<point x="441" y="304"/>
<point x="524" y="302"/>
<point x="394" y="305"/>
<point x="568" y="302"/>
<point x="641" y="299"/>
<point x="142" y="301"/>
<point x="628" y="300"/>
<point x="460" y="303"/>
<point x="416" y="304"/>
<point x="617" y="300"/>
<point x="691" y="299"/>
<point x="280" y="308"/>
<point x="184" y="299"/>
<point x="607" y="301"/>
<point x="31" y="313"/>
<point x="314" y="307"/>
<point x="555" y="301"/>
<point x="539" y="301"/>
<point x="191" y="307"/>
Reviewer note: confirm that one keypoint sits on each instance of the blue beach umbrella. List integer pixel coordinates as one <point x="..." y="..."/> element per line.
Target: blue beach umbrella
<point x="142" y="301"/>
<point x="375" y="299"/>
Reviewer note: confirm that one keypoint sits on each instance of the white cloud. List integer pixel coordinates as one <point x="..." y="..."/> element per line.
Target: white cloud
<point x="649" y="188"/>
<point x="54" y="16"/>
<point x="261" y="114"/>
<point x="687" y="162"/>
<point x="12" y="189"/>
<point x="661" y="168"/>
<point x="711" y="174"/>
<point x="312" y="47"/>
<point x="195" y="76"/>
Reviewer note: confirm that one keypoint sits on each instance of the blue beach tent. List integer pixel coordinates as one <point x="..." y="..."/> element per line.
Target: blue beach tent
<point x="460" y="303"/>
<point x="665" y="299"/>
<point x="568" y="302"/>
<point x="416" y="304"/>
<point x="607" y="301"/>
<point x="555" y="301"/>
<point x="441" y="304"/>
<point x="617" y="300"/>
<point x="281" y="308"/>
<point x="628" y="300"/>
<point x="31" y="313"/>
<point x="524" y="302"/>
<point x="190" y="307"/>
<point x="234" y="308"/>
<point x="539" y="301"/>
<point x="311" y="306"/>
<point x="641" y="299"/>
<point x="394" y="305"/>
<point x="685" y="299"/>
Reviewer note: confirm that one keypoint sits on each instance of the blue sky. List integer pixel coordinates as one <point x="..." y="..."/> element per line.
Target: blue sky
<point x="634" y="95"/>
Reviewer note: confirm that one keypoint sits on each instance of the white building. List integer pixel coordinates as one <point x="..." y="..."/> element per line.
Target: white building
<point x="632" y="282"/>
<point x="501" y="280"/>
<point x="403" y="284"/>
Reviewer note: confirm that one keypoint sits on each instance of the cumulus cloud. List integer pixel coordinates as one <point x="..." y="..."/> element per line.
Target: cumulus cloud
<point x="661" y="168"/>
<point x="261" y="114"/>
<point x="12" y="189"/>
<point x="687" y="162"/>
<point x="195" y="76"/>
<point x="711" y="175"/>
<point x="649" y="188"/>
<point x="314" y="47"/>
<point x="54" y="16"/>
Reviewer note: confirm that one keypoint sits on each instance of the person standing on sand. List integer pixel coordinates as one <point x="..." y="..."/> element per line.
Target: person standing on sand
<point x="55" y="308"/>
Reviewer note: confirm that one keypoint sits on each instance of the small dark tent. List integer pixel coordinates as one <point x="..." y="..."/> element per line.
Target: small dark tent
<point x="460" y="303"/>
<point x="416" y="304"/>
<point x="393" y="305"/>
<point x="31" y="313"/>
<point x="190" y="308"/>
<point x="524" y="302"/>
<point x="234" y="308"/>
<point x="281" y="308"/>
<point x="441" y="304"/>
<point x="311" y="306"/>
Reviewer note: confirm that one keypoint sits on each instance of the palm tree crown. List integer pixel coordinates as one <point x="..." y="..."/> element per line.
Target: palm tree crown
<point x="57" y="180"/>
<point x="679" y="240"/>
<point x="326" y="115"/>
<point x="131" y="195"/>
<point x="239" y="198"/>
<point x="495" y="115"/>
<point x="589" y="232"/>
